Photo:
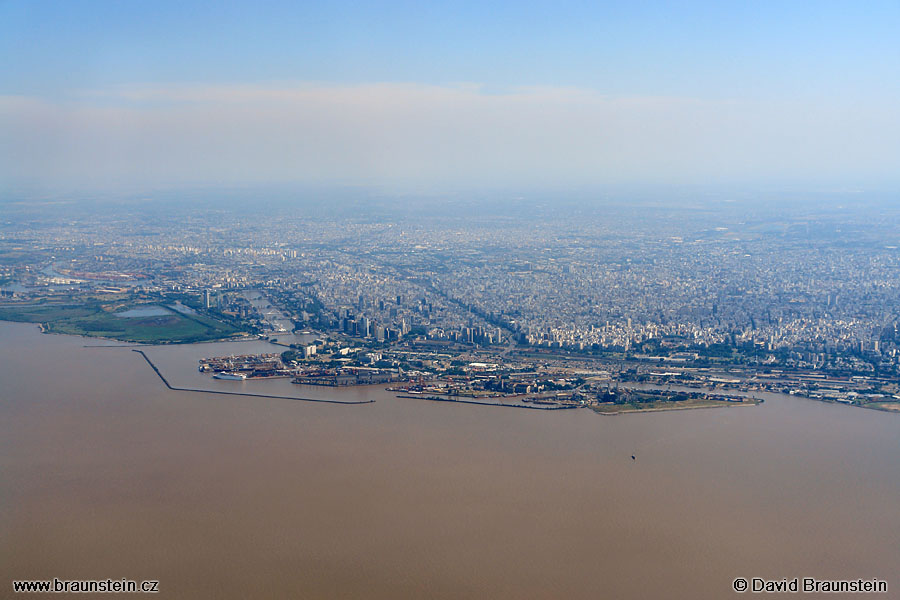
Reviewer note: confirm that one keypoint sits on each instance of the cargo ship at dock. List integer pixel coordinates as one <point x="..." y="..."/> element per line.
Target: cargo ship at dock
<point x="230" y="376"/>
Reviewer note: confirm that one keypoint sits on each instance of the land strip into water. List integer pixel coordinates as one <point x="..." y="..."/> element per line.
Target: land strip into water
<point x="181" y="389"/>
<point x="623" y="409"/>
<point x="549" y="390"/>
<point x="458" y="401"/>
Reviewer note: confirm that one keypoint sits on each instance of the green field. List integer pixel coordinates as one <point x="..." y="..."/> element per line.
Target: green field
<point x="95" y="321"/>
<point x="662" y="404"/>
<point x="42" y="313"/>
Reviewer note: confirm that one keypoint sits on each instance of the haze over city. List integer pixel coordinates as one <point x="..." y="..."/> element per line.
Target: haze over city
<point x="476" y="300"/>
<point x="411" y="97"/>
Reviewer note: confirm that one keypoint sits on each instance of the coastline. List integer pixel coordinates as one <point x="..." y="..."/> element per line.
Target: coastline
<point x="197" y="390"/>
<point x="438" y="399"/>
<point x="120" y="343"/>
<point x="668" y="409"/>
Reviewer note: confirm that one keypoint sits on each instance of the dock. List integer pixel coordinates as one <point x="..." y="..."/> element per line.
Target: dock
<point x="181" y="389"/>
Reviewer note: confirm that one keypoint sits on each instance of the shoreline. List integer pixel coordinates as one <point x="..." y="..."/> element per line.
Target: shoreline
<point x="659" y="409"/>
<point x="437" y="399"/>
<point x="118" y="343"/>
<point x="196" y="390"/>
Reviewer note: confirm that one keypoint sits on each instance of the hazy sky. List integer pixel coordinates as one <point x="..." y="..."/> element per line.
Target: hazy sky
<point x="465" y="94"/>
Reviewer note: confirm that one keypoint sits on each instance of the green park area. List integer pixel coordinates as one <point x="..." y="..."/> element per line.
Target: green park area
<point x="657" y="400"/>
<point x="151" y="324"/>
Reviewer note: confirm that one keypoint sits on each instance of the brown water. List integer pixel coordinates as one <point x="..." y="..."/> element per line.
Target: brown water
<point x="106" y="473"/>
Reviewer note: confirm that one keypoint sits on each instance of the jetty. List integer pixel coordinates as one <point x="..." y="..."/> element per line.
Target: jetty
<point x="196" y="390"/>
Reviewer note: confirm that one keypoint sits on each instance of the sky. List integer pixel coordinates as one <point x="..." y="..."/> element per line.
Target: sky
<point x="421" y="95"/>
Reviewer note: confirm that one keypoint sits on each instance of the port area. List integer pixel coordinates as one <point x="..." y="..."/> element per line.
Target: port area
<point x="245" y="394"/>
<point x="605" y="386"/>
<point x="346" y="376"/>
<point x="609" y="386"/>
<point x="485" y="385"/>
<point x="252" y="366"/>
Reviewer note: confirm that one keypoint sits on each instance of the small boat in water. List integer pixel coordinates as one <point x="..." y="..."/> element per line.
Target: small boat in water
<point x="230" y="376"/>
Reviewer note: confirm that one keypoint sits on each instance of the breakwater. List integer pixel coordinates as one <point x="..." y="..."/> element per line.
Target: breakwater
<point x="439" y="399"/>
<point x="181" y="389"/>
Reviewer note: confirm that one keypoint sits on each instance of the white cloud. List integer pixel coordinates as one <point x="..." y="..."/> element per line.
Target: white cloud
<point x="418" y="134"/>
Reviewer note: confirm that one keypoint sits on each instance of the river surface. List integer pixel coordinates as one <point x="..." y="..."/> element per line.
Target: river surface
<point x="105" y="473"/>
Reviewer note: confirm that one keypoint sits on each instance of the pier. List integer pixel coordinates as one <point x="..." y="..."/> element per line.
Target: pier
<point x="181" y="389"/>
